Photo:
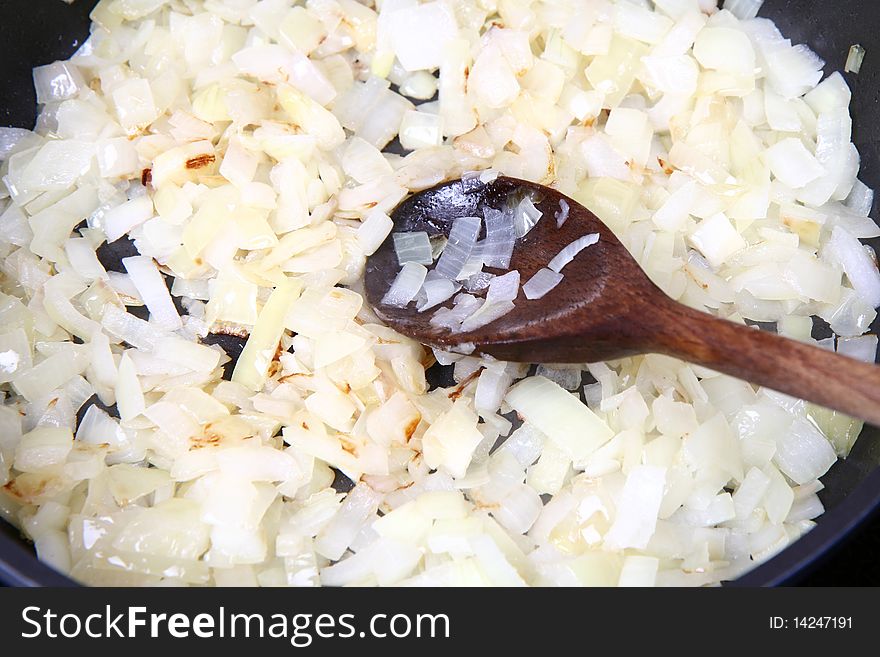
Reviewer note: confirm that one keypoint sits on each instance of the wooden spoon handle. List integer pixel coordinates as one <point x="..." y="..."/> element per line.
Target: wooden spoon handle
<point x="788" y="366"/>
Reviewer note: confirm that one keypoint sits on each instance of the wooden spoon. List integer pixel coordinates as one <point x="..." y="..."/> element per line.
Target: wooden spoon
<point x="606" y="307"/>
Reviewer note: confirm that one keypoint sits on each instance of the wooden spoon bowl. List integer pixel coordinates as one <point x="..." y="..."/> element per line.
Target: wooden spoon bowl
<point x="606" y="307"/>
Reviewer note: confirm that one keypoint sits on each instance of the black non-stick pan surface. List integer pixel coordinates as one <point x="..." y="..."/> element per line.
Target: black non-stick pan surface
<point x="35" y="32"/>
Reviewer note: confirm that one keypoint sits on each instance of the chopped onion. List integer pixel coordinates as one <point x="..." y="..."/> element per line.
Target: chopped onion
<point x="860" y="268"/>
<point x="497" y="248"/>
<point x="525" y="217"/>
<point x="152" y="290"/>
<point x="406" y="284"/>
<point x="863" y="348"/>
<point x="717" y="239"/>
<point x="561" y="417"/>
<point x="460" y="244"/>
<point x="569" y="252"/>
<point x="854" y="59"/>
<point x="56" y="82"/>
<point x="413" y="247"/>
<point x="803" y="453"/>
<point x="13" y="140"/>
<point x="562" y="214"/>
<point x="541" y="283"/>
<point x="437" y="290"/>
<point x="259" y="350"/>
<point x="451" y="318"/>
<point x="860" y="199"/>
<point x="129" y="328"/>
<point x="451" y="440"/>
<point x="724" y="49"/>
<point x="793" y="164"/>
<point x="250" y="177"/>
<point x="637" y="510"/>
<point x="499" y="301"/>
<point x="743" y="9"/>
<point x="121" y="219"/>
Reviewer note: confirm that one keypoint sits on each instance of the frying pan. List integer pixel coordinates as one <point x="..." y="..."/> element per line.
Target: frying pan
<point x="34" y="32"/>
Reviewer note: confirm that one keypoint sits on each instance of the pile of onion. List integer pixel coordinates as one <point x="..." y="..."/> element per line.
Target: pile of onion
<point x="234" y="155"/>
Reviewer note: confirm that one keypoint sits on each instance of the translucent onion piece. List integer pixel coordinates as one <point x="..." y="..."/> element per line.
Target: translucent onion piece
<point x="451" y="318"/>
<point x="152" y="289"/>
<point x="541" y="283"/>
<point x="562" y="214"/>
<point x="499" y="301"/>
<point x="860" y="268"/>
<point x="259" y="350"/>
<point x="568" y="253"/>
<point x="497" y="248"/>
<point x="413" y="247"/>
<point x="437" y="291"/>
<point x="56" y="82"/>
<point x="854" y="59"/>
<point x="743" y="9"/>
<point x="860" y="199"/>
<point x="525" y="217"/>
<point x="560" y="416"/>
<point x="406" y="285"/>
<point x="461" y="242"/>
<point x="373" y="231"/>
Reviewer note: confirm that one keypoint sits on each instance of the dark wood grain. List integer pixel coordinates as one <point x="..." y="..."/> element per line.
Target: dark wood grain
<point x="607" y="308"/>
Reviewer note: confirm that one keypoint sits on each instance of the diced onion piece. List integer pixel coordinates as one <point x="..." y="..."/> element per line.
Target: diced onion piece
<point x="832" y="93"/>
<point x="637" y="510"/>
<point x="743" y="9"/>
<point x="437" y="290"/>
<point x="850" y="255"/>
<point x="860" y="199"/>
<point x="803" y="453"/>
<point x="451" y="318"/>
<point x="499" y="301"/>
<point x="191" y="355"/>
<point x="129" y="328"/>
<point x="421" y="130"/>
<point x="359" y="505"/>
<point x="561" y="417"/>
<point x="15" y="139"/>
<point x="134" y="103"/>
<point x="497" y="248"/>
<point x="863" y="347"/>
<point x="413" y="247"/>
<point x="121" y="219"/>
<point x="129" y="394"/>
<point x="420" y="33"/>
<point x="725" y="49"/>
<point x="311" y="117"/>
<point x="503" y="288"/>
<point x="152" y="289"/>
<point x="462" y="239"/>
<point x="15" y="354"/>
<point x="717" y="239"/>
<point x="406" y="285"/>
<point x="793" y="164"/>
<point x="486" y="314"/>
<point x="373" y="231"/>
<point x="451" y="439"/>
<point x="562" y="214"/>
<point x="525" y="217"/>
<point x="50" y="374"/>
<point x="854" y="59"/>
<point x="541" y="283"/>
<point x="259" y="350"/>
<point x="57" y="82"/>
<point x="568" y="253"/>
